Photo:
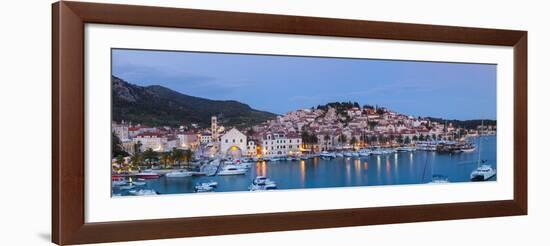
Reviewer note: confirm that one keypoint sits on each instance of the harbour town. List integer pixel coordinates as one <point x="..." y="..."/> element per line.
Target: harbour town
<point x="339" y="144"/>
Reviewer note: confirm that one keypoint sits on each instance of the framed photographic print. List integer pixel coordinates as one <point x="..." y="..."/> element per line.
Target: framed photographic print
<point x="177" y="122"/>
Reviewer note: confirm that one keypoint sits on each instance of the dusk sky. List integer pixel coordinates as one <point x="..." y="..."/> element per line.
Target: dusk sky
<point x="279" y="84"/>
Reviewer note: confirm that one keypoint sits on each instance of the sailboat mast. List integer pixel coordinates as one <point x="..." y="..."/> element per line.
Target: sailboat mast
<point x="479" y="145"/>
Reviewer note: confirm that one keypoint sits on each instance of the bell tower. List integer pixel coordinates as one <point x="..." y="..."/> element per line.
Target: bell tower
<point x="214" y="128"/>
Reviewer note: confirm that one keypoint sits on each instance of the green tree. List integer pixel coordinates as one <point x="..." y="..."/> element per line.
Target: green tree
<point x="407" y="140"/>
<point x="421" y="138"/>
<point x="136" y="161"/>
<point x="177" y="156"/>
<point x="415" y="138"/>
<point x="119" y="161"/>
<point x="166" y="158"/>
<point x="149" y="156"/>
<point x="400" y="139"/>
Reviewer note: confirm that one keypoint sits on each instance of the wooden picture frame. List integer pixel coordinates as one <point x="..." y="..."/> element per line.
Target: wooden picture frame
<point x="68" y="223"/>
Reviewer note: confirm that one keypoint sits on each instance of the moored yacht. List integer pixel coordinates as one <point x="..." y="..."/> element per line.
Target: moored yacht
<point x="179" y="174"/>
<point x="364" y="153"/>
<point x="148" y="174"/>
<point x="232" y="170"/>
<point x="262" y="183"/>
<point x="469" y="147"/>
<point x="405" y="149"/>
<point x="483" y="173"/>
<point x="327" y="155"/>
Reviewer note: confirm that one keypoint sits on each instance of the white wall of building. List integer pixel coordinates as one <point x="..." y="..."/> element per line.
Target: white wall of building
<point x="233" y="138"/>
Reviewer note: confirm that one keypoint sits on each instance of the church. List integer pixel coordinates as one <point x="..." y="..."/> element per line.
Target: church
<point x="233" y="144"/>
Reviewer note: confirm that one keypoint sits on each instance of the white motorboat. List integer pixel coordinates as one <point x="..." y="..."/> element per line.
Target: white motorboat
<point x="327" y="155"/>
<point x="348" y="154"/>
<point x="143" y="192"/>
<point x="179" y="174"/>
<point x="428" y="145"/>
<point x="271" y="186"/>
<point x="483" y="173"/>
<point x="468" y="148"/>
<point x="232" y="170"/>
<point x="339" y="155"/>
<point x="405" y="149"/>
<point x="364" y="153"/>
<point x="354" y="154"/>
<point x="377" y="152"/>
<point x="262" y="183"/>
<point x="274" y="159"/>
<point x="262" y="180"/>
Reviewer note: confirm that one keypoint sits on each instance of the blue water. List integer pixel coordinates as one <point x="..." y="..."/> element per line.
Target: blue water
<point x="399" y="168"/>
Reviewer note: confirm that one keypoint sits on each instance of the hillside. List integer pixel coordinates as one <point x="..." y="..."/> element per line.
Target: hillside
<point x="159" y="106"/>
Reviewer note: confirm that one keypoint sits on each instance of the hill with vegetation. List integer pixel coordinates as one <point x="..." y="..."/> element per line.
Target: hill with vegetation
<point x="160" y="106"/>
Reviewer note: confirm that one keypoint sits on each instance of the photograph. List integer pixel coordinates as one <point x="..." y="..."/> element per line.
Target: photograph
<point x="185" y="122"/>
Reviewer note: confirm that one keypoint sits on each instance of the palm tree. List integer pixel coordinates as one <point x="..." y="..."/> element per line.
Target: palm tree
<point x="421" y="138"/>
<point x="119" y="161"/>
<point x="177" y="156"/>
<point x="400" y="139"/>
<point x="149" y="155"/>
<point x="165" y="159"/>
<point x="135" y="161"/>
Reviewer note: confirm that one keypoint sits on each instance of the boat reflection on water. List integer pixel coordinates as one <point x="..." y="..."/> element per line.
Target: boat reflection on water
<point x="404" y="167"/>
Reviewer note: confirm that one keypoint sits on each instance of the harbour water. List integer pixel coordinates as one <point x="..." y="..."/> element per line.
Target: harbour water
<point x="398" y="168"/>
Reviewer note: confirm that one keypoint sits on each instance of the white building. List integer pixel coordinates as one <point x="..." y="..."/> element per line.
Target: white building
<point x="188" y="140"/>
<point x="252" y="149"/>
<point x="121" y="131"/>
<point x="280" y="144"/>
<point x="150" y="141"/>
<point x="233" y="143"/>
<point x="205" y="138"/>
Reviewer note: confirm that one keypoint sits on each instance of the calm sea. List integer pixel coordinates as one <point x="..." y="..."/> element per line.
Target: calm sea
<point x="399" y="168"/>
